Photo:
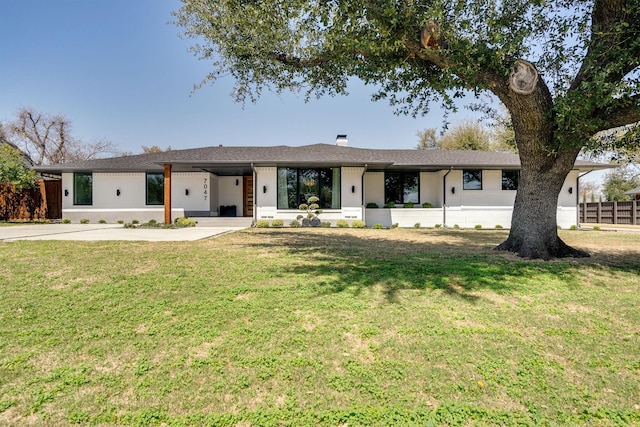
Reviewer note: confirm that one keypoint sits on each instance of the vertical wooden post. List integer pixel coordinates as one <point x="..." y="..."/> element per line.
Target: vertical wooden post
<point x="167" y="194"/>
<point x="634" y="212"/>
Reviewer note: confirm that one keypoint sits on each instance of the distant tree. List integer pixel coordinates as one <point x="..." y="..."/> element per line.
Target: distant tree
<point x="154" y="149"/>
<point x="618" y="181"/>
<point x="465" y="135"/>
<point x="588" y="191"/>
<point x="427" y="139"/>
<point x="47" y="139"/>
<point x="14" y="168"/>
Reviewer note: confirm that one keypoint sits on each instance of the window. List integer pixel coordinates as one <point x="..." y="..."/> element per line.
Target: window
<point x="296" y="186"/>
<point x="510" y="180"/>
<point x="83" y="188"/>
<point x="472" y="179"/>
<point x="155" y="188"/>
<point x="401" y="187"/>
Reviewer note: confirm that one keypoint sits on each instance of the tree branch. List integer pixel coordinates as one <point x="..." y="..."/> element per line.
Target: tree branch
<point x="621" y="112"/>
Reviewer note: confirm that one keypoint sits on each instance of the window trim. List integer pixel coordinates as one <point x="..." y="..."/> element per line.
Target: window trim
<point x="465" y="182"/>
<point x="517" y="181"/>
<point x="298" y="183"/>
<point x="402" y="181"/>
<point x="146" y="189"/>
<point x="76" y="192"/>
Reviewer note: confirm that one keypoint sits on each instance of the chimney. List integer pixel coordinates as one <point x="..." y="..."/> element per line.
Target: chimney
<point x="341" y="140"/>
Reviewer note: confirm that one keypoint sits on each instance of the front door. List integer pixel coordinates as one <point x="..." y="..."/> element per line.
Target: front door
<point x="247" y="182"/>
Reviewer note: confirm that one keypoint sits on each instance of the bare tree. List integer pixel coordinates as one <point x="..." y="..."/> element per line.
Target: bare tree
<point x="47" y="139"/>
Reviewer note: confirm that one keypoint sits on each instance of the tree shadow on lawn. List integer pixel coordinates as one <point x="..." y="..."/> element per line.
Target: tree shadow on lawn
<point x="459" y="263"/>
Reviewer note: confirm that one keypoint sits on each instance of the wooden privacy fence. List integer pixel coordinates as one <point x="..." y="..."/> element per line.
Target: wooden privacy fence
<point x="32" y="204"/>
<point x="611" y="212"/>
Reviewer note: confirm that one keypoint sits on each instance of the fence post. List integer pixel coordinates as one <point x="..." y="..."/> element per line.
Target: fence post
<point x="599" y="212"/>
<point x="634" y="212"/>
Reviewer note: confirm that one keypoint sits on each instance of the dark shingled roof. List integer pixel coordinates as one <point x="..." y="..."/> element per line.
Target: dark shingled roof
<point x="238" y="160"/>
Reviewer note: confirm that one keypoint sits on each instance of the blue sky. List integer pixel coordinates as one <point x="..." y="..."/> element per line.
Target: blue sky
<point x="118" y="70"/>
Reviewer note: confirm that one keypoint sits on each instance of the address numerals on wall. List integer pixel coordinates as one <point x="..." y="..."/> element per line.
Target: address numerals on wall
<point x="205" y="188"/>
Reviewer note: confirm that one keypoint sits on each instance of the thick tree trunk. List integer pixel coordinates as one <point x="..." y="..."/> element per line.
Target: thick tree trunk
<point x="534" y="232"/>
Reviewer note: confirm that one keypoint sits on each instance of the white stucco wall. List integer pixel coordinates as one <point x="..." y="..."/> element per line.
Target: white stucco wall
<point x="230" y="193"/>
<point x="131" y="203"/>
<point x="374" y="188"/>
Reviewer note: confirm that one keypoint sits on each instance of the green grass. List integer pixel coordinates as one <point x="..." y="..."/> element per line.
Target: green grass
<point x="295" y="327"/>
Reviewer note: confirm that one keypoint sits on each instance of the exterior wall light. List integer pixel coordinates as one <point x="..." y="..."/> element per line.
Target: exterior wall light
<point x="66" y="192"/>
<point x="186" y="191"/>
<point x="453" y="190"/>
<point x="353" y="188"/>
<point x="570" y="190"/>
<point x="237" y="181"/>
<point x="264" y="188"/>
<point x="118" y="192"/>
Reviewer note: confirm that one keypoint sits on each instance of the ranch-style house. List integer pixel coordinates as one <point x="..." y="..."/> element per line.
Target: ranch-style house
<point x="446" y="188"/>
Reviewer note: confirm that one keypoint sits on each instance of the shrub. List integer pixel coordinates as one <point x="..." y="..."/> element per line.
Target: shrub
<point x="130" y="225"/>
<point x="102" y="221"/>
<point x="277" y="223"/>
<point x="573" y="227"/>
<point x="408" y="205"/>
<point x="416" y="225"/>
<point x="153" y="222"/>
<point x="66" y="221"/>
<point x="499" y="227"/>
<point x="84" y="221"/>
<point x="390" y="205"/>
<point x="427" y="205"/>
<point x="263" y="223"/>
<point x="438" y="225"/>
<point x="372" y="205"/>
<point x="456" y="226"/>
<point x="341" y="223"/>
<point x="358" y="224"/>
<point x="378" y="227"/>
<point x="325" y="224"/>
<point x="478" y="226"/>
<point x="120" y="221"/>
<point x="135" y="221"/>
<point x="596" y="228"/>
<point x="184" y="222"/>
<point x="294" y="224"/>
<point x="394" y="225"/>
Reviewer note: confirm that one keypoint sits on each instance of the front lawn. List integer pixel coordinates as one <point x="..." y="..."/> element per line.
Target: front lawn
<point x="334" y="327"/>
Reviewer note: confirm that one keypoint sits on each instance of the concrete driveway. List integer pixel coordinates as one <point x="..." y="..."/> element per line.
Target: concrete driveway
<point x="96" y="232"/>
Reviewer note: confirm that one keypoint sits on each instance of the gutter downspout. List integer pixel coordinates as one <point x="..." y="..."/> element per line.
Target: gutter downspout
<point x="364" y="208"/>
<point x="578" y="197"/>
<point x="255" y="194"/>
<point x="444" y="197"/>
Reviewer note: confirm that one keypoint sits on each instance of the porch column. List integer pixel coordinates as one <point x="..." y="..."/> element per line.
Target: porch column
<point x="167" y="193"/>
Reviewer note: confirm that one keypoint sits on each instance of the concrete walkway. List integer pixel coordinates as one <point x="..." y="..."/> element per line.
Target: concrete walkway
<point x="96" y="232"/>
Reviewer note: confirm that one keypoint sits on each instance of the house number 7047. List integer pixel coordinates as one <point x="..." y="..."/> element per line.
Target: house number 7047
<point x="204" y="187"/>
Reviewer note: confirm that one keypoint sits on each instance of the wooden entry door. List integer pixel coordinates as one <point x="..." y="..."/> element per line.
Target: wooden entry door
<point x="247" y="182"/>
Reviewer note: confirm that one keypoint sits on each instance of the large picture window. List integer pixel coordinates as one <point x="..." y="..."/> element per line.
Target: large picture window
<point x="297" y="185"/>
<point x="83" y="188"/>
<point x="155" y="188"/>
<point x="472" y="179"/>
<point x="401" y="187"/>
<point x="510" y="180"/>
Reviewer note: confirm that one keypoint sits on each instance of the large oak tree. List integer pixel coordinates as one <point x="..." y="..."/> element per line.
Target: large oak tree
<point x="565" y="70"/>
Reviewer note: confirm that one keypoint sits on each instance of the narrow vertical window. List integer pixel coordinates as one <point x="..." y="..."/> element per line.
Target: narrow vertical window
<point x="155" y="188"/>
<point x="83" y="188"/>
